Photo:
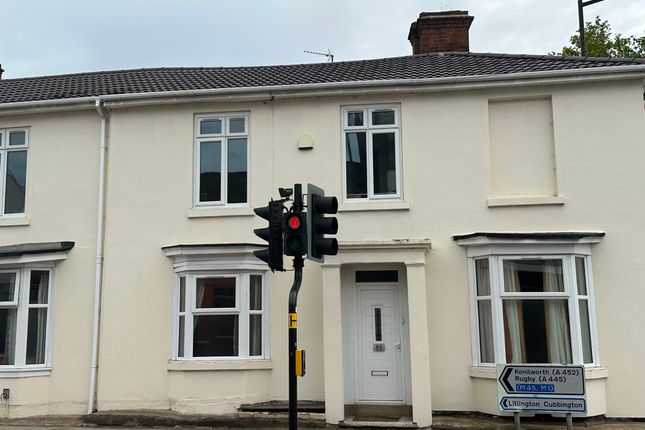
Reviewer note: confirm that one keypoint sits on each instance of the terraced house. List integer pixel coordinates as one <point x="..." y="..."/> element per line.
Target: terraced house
<point x="491" y="211"/>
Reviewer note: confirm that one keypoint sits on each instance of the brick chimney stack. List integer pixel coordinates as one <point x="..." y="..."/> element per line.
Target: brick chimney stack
<point x="440" y="32"/>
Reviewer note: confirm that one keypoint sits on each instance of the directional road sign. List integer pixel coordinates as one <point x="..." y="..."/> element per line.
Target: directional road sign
<point x="541" y="388"/>
<point x="545" y="380"/>
<point x="570" y="405"/>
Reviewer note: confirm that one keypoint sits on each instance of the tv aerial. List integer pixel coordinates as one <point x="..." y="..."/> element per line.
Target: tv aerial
<point x="328" y="54"/>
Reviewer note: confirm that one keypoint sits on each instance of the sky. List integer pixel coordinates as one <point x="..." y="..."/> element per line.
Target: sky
<point x="46" y="37"/>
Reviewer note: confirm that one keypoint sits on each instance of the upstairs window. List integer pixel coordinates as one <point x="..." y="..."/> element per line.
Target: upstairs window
<point x="221" y="159"/>
<point x="372" y="152"/>
<point x="14" y="143"/>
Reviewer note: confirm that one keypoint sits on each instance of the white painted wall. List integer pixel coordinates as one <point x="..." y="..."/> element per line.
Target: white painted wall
<point x="600" y="159"/>
<point x="61" y="205"/>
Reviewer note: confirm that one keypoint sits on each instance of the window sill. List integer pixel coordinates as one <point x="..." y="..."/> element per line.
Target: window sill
<point x="219" y="212"/>
<point x="14" y="221"/>
<point x="25" y="372"/>
<point x="489" y="372"/>
<point x="525" y="201"/>
<point x="186" y="365"/>
<point x="398" y="205"/>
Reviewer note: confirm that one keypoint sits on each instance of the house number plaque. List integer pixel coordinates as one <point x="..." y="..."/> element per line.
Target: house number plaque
<point x="379" y="347"/>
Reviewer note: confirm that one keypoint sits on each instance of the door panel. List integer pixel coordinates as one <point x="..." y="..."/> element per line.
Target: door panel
<point x="379" y="344"/>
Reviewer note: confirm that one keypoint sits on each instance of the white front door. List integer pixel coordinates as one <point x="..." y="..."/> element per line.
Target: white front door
<point x="380" y="376"/>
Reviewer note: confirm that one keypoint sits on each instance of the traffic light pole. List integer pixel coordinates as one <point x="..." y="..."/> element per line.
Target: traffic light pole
<point x="298" y="263"/>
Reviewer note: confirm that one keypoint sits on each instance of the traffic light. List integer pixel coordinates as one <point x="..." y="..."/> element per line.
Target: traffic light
<point x="318" y="225"/>
<point x="295" y="233"/>
<point x="272" y="234"/>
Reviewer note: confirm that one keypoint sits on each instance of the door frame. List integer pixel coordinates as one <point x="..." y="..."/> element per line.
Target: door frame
<point x="349" y="300"/>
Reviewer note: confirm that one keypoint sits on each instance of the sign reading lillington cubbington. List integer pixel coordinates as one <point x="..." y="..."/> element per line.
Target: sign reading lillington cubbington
<point x="541" y="388"/>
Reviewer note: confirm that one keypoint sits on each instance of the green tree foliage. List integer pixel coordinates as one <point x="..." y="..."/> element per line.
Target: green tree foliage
<point x="601" y="42"/>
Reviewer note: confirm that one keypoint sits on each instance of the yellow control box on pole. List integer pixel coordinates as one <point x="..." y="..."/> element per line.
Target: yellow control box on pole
<point x="300" y="362"/>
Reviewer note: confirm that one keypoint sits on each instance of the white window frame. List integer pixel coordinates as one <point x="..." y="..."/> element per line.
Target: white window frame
<point x="497" y="254"/>
<point x="242" y="309"/>
<point x="370" y="130"/>
<point x="23" y="279"/>
<point x="223" y="138"/>
<point x="4" y="150"/>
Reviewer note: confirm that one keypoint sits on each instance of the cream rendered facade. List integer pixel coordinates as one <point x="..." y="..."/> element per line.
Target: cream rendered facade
<point x="598" y="132"/>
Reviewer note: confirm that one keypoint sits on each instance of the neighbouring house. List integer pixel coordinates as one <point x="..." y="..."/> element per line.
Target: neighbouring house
<point x="492" y="209"/>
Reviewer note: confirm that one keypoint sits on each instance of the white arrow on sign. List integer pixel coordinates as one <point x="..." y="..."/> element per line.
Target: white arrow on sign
<point x="546" y="380"/>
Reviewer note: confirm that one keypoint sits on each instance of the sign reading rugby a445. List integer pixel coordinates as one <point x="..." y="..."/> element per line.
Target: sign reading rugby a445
<point x="552" y="380"/>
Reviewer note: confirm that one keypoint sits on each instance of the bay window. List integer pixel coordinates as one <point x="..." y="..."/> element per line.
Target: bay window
<point x="531" y="303"/>
<point x="220" y="315"/>
<point x="25" y="295"/>
<point x="220" y="307"/>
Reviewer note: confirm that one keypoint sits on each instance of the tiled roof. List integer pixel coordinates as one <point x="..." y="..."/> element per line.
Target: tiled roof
<point x="444" y="65"/>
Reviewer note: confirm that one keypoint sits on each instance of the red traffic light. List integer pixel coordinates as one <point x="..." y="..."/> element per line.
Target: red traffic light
<point x="294" y="222"/>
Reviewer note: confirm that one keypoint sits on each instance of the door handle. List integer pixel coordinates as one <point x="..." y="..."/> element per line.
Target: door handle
<point x="397" y="346"/>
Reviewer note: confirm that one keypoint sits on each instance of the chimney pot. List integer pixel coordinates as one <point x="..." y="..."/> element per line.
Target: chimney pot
<point x="1" y="71"/>
<point x="440" y="32"/>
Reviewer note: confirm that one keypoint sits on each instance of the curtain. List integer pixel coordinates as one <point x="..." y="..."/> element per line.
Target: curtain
<point x="485" y="315"/>
<point x="557" y="322"/>
<point x="10" y="336"/>
<point x="43" y="290"/>
<point x="513" y="321"/>
<point x="199" y="293"/>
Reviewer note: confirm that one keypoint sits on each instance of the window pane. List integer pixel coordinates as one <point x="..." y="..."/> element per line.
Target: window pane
<point x="356" y="165"/>
<point x="537" y="331"/>
<point x="581" y="277"/>
<point x="533" y="276"/>
<point x="486" y="352"/>
<point x="17" y="138"/>
<point x="482" y="277"/>
<point x="210" y="171"/>
<point x="182" y="294"/>
<point x="378" y="328"/>
<point x="355" y="119"/>
<point x="210" y="126"/>
<point x="182" y="327"/>
<point x="377" y="276"/>
<point x="255" y="335"/>
<point x="382" y="117"/>
<point x="7" y="336"/>
<point x="237" y="170"/>
<point x="36" y="335"/>
<point x="215" y="293"/>
<point x="384" y="163"/>
<point x="236" y="125"/>
<point x="16" y="180"/>
<point x="39" y="287"/>
<point x="7" y="286"/>
<point x="215" y="336"/>
<point x="256" y="293"/>
<point x="585" y="329"/>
